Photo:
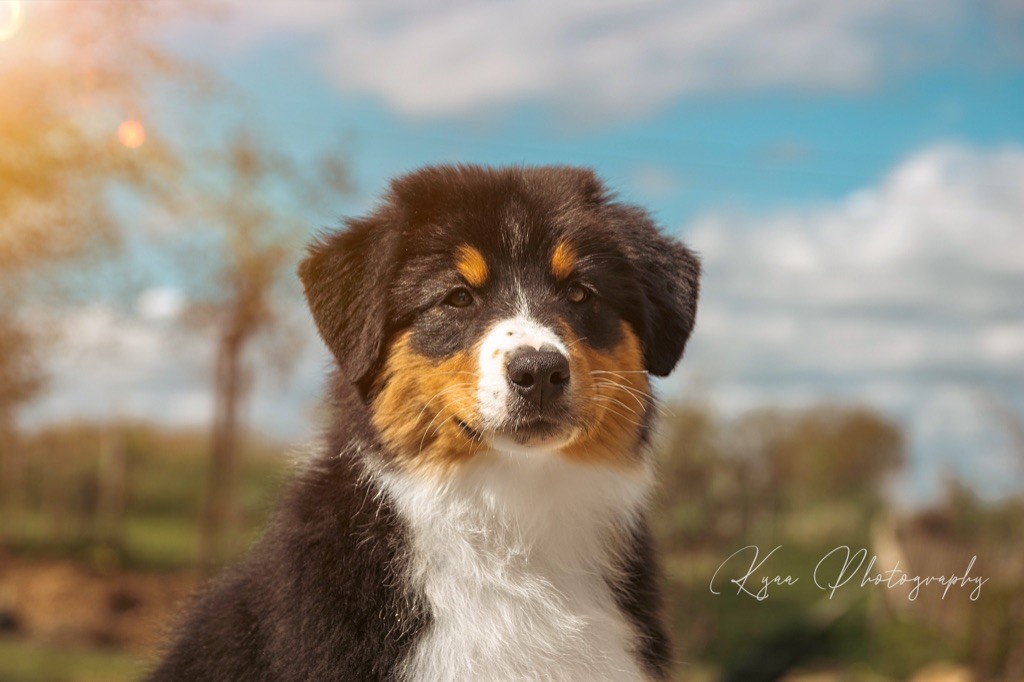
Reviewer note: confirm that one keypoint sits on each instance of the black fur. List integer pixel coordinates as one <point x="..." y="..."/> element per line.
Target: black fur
<point x="345" y="279"/>
<point x="669" y="274"/>
<point x="323" y="596"/>
<point x="638" y="593"/>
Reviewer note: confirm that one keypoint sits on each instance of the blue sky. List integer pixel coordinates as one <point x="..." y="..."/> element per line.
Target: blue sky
<point x="756" y="147"/>
<point x="852" y="172"/>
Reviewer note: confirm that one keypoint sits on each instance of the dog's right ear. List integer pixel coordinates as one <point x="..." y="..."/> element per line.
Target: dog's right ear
<point x="345" y="277"/>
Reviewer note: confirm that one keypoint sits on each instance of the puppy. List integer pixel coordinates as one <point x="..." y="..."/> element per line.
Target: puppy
<point x="477" y="511"/>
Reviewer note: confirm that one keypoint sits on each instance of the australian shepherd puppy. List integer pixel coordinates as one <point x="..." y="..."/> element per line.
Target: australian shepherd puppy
<point x="477" y="509"/>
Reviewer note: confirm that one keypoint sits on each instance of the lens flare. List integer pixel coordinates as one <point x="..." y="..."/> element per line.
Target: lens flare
<point x="131" y="134"/>
<point x="10" y="18"/>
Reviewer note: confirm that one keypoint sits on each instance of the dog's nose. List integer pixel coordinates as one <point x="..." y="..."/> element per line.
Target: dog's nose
<point x="539" y="375"/>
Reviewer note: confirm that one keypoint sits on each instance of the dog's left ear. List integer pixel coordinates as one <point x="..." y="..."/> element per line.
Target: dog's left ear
<point x="669" y="275"/>
<point x="345" y="277"/>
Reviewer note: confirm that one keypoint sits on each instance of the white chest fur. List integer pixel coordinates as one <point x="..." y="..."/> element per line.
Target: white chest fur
<point x="513" y="554"/>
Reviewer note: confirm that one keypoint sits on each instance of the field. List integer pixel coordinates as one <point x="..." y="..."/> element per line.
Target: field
<point x="89" y="588"/>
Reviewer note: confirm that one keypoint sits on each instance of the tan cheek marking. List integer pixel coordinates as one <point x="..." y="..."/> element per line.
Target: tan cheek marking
<point x="417" y="403"/>
<point x="614" y="396"/>
<point x="563" y="260"/>
<point x="472" y="266"/>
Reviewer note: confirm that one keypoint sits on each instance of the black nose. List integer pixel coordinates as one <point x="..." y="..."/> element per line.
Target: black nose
<point x="540" y="376"/>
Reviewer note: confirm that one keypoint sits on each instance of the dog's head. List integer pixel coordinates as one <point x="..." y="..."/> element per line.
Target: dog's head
<point x="503" y="309"/>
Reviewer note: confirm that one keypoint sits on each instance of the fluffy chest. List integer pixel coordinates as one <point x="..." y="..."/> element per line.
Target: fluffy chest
<point x="514" y="556"/>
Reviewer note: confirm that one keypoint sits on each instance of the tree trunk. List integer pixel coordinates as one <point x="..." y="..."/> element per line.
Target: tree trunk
<point x="219" y="514"/>
<point x="12" y="483"/>
<point x="111" y="490"/>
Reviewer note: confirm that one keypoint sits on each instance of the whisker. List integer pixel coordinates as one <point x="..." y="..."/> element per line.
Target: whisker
<point x="625" y="387"/>
<point x="611" y="408"/>
<point x="426" y="431"/>
<point x="601" y="372"/>
<point x="646" y="396"/>
<point x="625" y="417"/>
<point x="644" y="403"/>
<point x="618" y="402"/>
<point x="576" y="343"/>
<point x="440" y="393"/>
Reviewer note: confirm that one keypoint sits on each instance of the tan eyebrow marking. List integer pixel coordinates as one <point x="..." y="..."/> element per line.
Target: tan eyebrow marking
<point x="472" y="266"/>
<point x="563" y="260"/>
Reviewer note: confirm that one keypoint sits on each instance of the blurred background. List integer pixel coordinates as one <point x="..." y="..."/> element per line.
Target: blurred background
<point x="851" y="172"/>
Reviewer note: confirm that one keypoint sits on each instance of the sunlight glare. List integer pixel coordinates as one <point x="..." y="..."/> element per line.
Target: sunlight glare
<point x="131" y="134"/>
<point x="10" y="18"/>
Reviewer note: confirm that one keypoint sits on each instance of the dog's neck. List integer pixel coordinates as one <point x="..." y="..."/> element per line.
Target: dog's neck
<point x="514" y="552"/>
<point x="529" y="499"/>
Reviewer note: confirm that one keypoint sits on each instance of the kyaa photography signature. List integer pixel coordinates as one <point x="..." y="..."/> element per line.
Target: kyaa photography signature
<point x="839" y="568"/>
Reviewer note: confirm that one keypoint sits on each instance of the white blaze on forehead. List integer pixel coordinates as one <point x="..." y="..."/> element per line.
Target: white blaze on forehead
<point x="503" y="338"/>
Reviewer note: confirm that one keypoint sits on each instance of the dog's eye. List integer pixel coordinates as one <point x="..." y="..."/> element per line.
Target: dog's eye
<point x="576" y="293"/>
<point x="459" y="298"/>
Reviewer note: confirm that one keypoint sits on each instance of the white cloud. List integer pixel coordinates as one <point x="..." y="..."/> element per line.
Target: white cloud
<point x="160" y="303"/>
<point x="900" y="295"/>
<point x="601" y="58"/>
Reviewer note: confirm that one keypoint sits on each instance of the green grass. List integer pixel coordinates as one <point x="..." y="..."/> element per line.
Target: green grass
<point x="161" y="542"/>
<point x="160" y="526"/>
<point x="22" y="661"/>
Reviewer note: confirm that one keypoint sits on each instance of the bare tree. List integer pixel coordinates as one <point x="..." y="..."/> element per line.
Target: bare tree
<point x="254" y="212"/>
<point x="20" y="380"/>
<point x="74" y="77"/>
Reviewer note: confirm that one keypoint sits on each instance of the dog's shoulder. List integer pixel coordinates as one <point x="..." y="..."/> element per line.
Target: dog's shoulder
<point x="322" y="596"/>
